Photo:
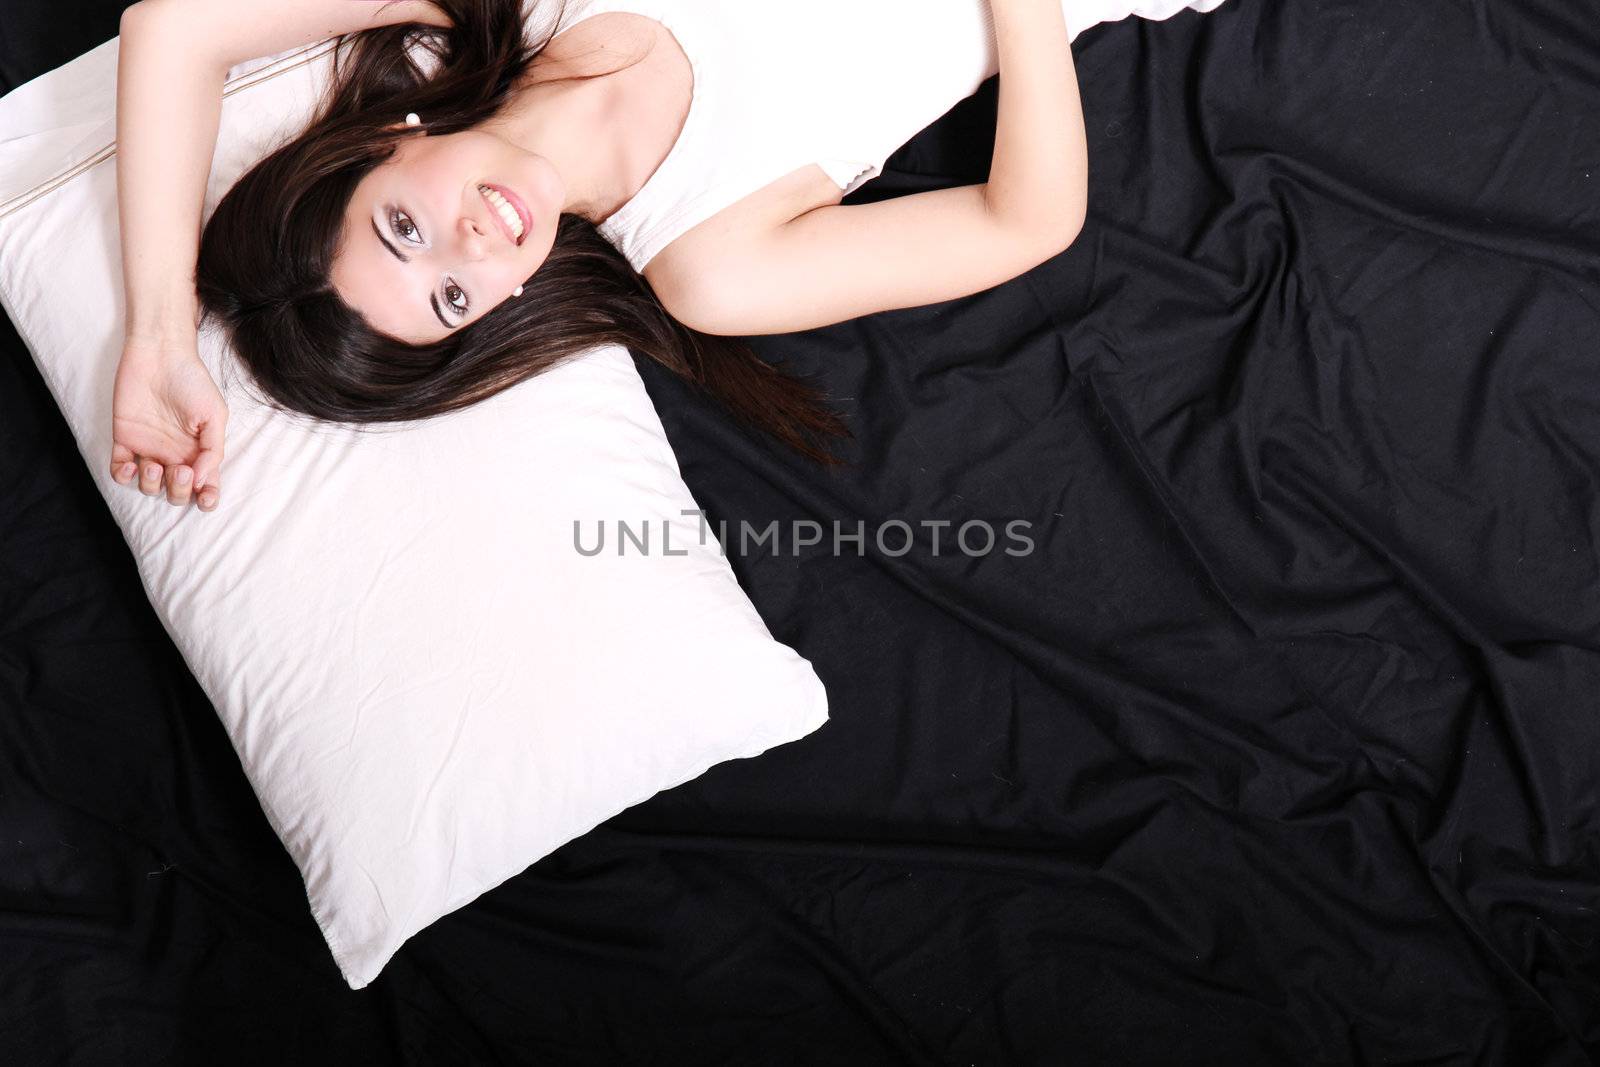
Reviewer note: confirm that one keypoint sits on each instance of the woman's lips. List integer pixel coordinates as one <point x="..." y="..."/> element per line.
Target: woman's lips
<point x="518" y="206"/>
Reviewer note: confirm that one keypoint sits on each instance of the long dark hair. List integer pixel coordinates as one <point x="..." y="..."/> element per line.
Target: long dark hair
<point x="266" y="253"/>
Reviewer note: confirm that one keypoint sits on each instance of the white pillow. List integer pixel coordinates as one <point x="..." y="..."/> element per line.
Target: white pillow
<point x="428" y="685"/>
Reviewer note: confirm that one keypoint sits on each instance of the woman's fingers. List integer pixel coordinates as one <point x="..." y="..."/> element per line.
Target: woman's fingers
<point x="149" y="478"/>
<point x="123" y="464"/>
<point x="177" y="481"/>
<point x="181" y="483"/>
<point x="208" y="464"/>
<point x="180" y="480"/>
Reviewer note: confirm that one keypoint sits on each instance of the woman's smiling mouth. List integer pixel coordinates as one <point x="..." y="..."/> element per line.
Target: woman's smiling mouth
<point x="509" y="212"/>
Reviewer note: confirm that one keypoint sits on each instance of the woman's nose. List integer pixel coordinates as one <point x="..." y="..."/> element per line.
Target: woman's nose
<point x="474" y="239"/>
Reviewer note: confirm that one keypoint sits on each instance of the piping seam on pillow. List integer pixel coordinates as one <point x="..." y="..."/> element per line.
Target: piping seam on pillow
<point x="236" y="84"/>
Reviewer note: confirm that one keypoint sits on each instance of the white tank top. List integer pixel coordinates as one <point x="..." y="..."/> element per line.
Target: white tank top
<point x="779" y="84"/>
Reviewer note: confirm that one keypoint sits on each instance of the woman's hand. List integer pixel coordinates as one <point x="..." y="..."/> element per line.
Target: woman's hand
<point x="167" y="421"/>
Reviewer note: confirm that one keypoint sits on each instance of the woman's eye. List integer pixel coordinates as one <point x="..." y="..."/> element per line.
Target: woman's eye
<point x="453" y="288"/>
<point x="402" y="225"/>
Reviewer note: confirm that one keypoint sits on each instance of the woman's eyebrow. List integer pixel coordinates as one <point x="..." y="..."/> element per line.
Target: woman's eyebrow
<point x="401" y="256"/>
<point x="433" y="298"/>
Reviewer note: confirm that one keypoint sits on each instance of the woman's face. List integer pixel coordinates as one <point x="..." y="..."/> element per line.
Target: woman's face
<point x="423" y="251"/>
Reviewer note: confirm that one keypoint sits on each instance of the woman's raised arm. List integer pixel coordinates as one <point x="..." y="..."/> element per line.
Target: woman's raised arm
<point x="173" y="58"/>
<point x="167" y="414"/>
<point x="841" y="261"/>
<point x="169" y="102"/>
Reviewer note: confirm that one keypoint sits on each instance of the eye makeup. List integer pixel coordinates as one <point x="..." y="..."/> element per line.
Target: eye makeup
<point x="395" y="216"/>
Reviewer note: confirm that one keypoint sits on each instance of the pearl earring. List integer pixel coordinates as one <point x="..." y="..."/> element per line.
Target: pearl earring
<point x="412" y="119"/>
<point x="517" y="291"/>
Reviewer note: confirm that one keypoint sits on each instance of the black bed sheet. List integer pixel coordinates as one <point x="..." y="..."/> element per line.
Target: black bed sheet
<point x="1280" y="747"/>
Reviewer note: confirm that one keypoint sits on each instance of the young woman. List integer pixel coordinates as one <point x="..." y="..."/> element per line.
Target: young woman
<point x="663" y="174"/>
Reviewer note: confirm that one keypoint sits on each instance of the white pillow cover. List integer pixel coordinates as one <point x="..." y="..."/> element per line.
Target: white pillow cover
<point x="429" y="687"/>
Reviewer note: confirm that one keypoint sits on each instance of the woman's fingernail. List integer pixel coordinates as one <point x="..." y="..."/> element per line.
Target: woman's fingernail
<point x="183" y="477"/>
<point x="150" y="471"/>
<point x="130" y="469"/>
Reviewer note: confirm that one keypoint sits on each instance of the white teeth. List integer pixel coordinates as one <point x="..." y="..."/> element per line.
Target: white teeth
<point x="506" y="211"/>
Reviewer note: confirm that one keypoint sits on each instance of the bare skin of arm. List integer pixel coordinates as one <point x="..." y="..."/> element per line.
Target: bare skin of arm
<point x="167" y="414"/>
<point x="837" y="262"/>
